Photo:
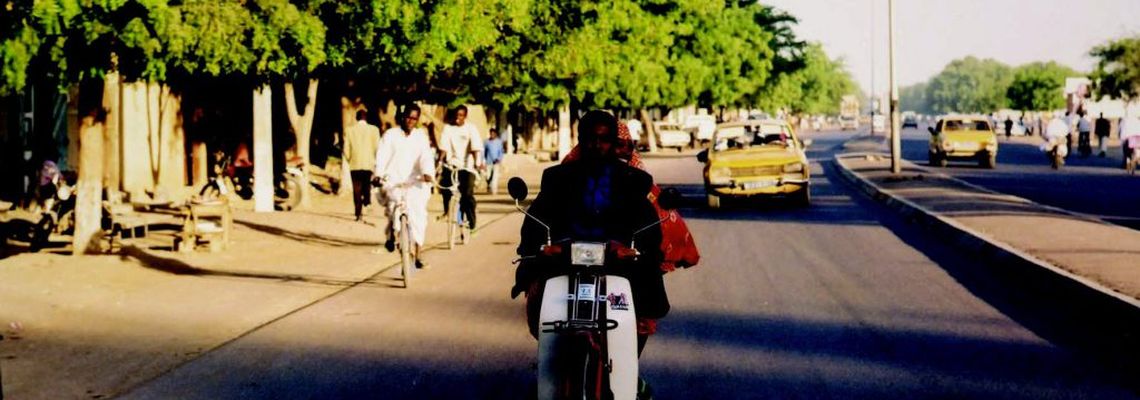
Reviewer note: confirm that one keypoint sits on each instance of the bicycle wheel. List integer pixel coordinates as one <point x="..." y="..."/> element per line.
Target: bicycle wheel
<point x="405" y="250"/>
<point x="450" y="234"/>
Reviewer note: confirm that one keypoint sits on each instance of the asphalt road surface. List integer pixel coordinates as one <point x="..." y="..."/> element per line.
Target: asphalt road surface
<point x="841" y="300"/>
<point x="1095" y="186"/>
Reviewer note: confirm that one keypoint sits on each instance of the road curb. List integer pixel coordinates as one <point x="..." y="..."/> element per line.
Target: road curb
<point x="984" y="246"/>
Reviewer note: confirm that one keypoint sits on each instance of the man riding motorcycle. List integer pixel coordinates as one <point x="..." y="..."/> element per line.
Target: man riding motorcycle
<point x="597" y="197"/>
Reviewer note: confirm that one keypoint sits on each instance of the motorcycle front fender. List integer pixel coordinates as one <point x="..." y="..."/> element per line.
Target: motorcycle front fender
<point x="620" y="344"/>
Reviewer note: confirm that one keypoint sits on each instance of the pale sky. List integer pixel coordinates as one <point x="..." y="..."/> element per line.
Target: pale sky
<point x="931" y="33"/>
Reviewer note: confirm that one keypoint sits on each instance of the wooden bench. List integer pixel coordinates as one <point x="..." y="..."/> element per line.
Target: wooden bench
<point x="120" y="221"/>
<point x="205" y="221"/>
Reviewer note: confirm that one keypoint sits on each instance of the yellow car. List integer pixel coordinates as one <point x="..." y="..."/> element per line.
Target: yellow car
<point x="963" y="137"/>
<point x="762" y="158"/>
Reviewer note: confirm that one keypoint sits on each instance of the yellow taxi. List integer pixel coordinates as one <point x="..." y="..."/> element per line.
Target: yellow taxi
<point x="963" y="137"/>
<point x="761" y="158"/>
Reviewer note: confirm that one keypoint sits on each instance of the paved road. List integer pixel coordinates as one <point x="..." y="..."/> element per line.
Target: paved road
<point x="1095" y="186"/>
<point x="842" y="300"/>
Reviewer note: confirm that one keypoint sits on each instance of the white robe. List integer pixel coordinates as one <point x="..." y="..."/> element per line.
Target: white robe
<point x="404" y="160"/>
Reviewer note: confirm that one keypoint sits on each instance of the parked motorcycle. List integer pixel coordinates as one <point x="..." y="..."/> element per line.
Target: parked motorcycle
<point x="58" y="212"/>
<point x="587" y="342"/>
<point x="238" y="179"/>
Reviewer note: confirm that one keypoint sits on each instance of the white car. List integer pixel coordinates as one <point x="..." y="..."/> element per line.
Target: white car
<point x="702" y="125"/>
<point x="672" y="135"/>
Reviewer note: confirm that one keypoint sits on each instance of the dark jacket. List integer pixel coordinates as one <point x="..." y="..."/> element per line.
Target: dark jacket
<point x="565" y="204"/>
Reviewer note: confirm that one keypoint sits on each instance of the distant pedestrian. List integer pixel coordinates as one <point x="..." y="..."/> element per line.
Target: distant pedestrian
<point x="361" y="140"/>
<point x="1084" y="139"/>
<point x="1101" y="128"/>
<point x="1129" y="126"/>
<point x="1071" y="125"/>
<point x="635" y="128"/>
<point x="493" y="150"/>
<point x="1008" y="127"/>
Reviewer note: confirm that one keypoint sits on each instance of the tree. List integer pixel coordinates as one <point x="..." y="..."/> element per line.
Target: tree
<point x="913" y="98"/>
<point x="1038" y="86"/>
<point x="1117" y="72"/>
<point x="82" y="42"/>
<point x="970" y="85"/>
<point x="816" y="87"/>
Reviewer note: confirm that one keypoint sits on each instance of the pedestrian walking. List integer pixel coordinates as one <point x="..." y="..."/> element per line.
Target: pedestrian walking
<point x="1070" y="125"/>
<point x="1008" y="127"/>
<point x="1101" y="128"/>
<point x="1129" y="126"/>
<point x="493" y="151"/>
<point x="1084" y="137"/>
<point x="361" y="140"/>
<point x="634" y="131"/>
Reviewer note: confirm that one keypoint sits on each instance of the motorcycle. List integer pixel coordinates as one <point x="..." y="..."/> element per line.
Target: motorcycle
<point x="1056" y="150"/>
<point x="58" y="213"/>
<point x="587" y="341"/>
<point x="229" y="178"/>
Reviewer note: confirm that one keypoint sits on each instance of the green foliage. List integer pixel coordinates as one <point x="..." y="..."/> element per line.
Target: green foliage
<point x="1038" y="86"/>
<point x="817" y="87"/>
<point x="913" y="98"/>
<point x="1117" y="72"/>
<point x="531" y="54"/>
<point x="18" y="43"/>
<point x="970" y="85"/>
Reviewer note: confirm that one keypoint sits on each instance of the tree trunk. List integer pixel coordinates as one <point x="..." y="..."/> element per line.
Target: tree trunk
<point x="648" y="128"/>
<point x="262" y="149"/>
<point x="302" y="126"/>
<point x="89" y="191"/>
<point x="563" y="131"/>
<point x="112" y="149"/>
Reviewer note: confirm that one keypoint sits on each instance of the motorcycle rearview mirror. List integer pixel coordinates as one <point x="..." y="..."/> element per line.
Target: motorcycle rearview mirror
<point x="517" y="188"/>
<point x="670" y="199"/>
<point x="703" y="156"/>
<point x="931" y="129"/>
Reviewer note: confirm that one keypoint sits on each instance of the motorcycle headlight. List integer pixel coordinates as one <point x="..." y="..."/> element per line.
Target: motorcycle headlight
<point x="793" y="167"/>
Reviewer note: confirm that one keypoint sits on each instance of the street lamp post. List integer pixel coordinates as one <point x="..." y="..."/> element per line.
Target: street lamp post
<point x="896" y="162"/>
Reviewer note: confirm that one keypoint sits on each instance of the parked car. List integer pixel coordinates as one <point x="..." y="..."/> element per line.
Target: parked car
<point x="671" y="135"/>
<point x="756" y="158"/>
<point x="702" y="126"/>
<point x="963" y="137"/>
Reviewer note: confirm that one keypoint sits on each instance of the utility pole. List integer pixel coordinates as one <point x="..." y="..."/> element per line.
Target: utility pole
<point x="896" y="162"/>
<point x="871" y="100"/>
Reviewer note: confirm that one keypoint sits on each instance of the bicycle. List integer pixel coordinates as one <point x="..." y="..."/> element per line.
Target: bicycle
<point x="402" y="230"/>
<point x="457" y="223"/>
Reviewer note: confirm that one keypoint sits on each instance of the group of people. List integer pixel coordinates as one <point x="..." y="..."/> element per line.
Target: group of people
<point x="1063" y="127"/>
<point x="403" y="163"/>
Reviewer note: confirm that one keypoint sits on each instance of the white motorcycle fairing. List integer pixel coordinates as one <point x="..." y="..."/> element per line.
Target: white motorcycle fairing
<point x="618" y="305"/>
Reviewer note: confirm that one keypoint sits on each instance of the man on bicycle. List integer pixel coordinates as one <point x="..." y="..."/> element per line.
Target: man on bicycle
<point x="463" y="151"/>
<point x="405" y="169"/>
